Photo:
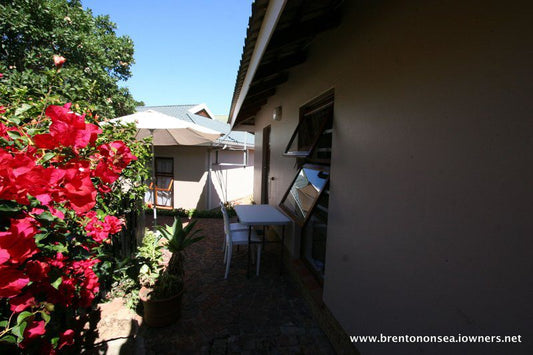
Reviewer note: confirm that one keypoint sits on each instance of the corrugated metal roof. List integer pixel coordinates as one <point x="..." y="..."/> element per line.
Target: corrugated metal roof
<point x="181" y="112"/>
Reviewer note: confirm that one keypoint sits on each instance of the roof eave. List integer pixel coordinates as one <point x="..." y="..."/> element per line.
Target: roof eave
<point x="272" y="15"/>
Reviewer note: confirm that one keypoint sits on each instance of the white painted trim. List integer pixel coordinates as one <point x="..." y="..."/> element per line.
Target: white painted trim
<point x="272" y="15"/>
<point x="201" y="107"/>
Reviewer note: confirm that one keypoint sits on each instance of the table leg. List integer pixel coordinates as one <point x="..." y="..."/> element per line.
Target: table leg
<point x="249" y="251"/>
<point x="282" y="247"/>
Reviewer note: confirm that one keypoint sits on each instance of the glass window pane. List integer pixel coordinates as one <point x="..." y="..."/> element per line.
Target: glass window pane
<point x="304" y="192"/>
<point x="163" y="166"/>
<point x="313" y="121"/>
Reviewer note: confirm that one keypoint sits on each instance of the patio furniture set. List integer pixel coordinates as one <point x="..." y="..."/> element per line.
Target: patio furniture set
<point x="243" y="232"/>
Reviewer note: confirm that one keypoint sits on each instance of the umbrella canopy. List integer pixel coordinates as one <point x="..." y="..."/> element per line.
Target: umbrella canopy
<point x="168" y="130"/>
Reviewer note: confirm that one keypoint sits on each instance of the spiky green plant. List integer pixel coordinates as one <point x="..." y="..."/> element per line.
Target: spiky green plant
<point x="178" y="239"/>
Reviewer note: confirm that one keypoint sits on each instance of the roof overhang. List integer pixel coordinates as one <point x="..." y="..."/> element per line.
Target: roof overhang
<point x="279" y="33"/>
<point x="268" y="24"/>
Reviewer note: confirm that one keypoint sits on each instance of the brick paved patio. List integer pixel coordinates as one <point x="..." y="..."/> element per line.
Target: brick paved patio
<point x="260" y="315"/>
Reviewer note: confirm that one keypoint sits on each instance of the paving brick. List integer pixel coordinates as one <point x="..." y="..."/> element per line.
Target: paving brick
<point x="259" y="315"/>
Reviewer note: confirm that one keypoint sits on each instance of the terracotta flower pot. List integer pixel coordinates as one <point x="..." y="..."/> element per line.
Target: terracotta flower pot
<point x="160" y="312"/>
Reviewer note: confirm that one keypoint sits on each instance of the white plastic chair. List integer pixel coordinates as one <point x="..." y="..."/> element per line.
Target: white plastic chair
<point x="238" y="237"/>
<point x="233" y="226"/>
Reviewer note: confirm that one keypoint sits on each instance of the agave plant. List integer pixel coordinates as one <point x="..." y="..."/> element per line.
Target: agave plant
<point x="178" y="239"/>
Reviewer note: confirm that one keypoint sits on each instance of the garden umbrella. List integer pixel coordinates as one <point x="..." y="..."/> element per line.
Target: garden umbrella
<point x="167" y="130"/>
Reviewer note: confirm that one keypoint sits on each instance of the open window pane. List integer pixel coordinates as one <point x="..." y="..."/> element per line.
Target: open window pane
<point x="308" y="132"/>
<point x="315" y="118"/>
<point x="304" y="192"/>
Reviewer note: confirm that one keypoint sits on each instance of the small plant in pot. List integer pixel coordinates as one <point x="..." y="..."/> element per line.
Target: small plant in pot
<point x="163" y="288"/>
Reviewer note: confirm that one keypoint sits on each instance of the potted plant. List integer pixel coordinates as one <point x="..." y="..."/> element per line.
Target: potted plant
<point x="163" y="287"/>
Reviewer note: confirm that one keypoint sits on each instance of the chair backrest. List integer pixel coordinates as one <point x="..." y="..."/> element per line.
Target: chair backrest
<point x="227" y="229"/>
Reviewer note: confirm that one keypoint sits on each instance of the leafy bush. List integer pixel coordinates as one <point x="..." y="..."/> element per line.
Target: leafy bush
<point x="194" y="213"/>
<point x="33" y="31"/>
<point x="60" y="185"/>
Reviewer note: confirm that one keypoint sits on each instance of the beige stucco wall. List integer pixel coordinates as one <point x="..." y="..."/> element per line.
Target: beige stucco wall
<point x="191" y="176"/>
<point x="230" y="180"/>
<point x="430" y="227"/>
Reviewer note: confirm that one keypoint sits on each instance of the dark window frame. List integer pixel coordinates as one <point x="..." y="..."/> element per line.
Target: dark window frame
<point x="302" y="222"/>
<point x="164" y="174"/>
<point x="323" y="102"/>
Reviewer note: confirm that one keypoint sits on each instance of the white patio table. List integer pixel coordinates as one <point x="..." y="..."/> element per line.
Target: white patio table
<point x="262" y="215"/>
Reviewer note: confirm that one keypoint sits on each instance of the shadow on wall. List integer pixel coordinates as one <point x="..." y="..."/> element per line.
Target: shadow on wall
<point x="230" y="182"/>
<point x="189" y="162"/>
<point x="191" y="194"/>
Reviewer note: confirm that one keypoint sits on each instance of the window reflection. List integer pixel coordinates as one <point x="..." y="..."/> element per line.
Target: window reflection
<point x="304" y="192"/>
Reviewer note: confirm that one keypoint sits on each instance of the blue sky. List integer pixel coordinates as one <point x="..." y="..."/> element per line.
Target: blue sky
<point x="186" y="52"/>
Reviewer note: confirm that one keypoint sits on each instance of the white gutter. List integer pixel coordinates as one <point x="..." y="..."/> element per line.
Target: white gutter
<point x="272" y="15"/>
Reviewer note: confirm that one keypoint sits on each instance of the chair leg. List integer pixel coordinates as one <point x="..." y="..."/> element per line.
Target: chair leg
<point x="228" y="262"/>
<point x="253" y="254"/>
<point x="258" y="258"/>
<point x="225" y="252"/>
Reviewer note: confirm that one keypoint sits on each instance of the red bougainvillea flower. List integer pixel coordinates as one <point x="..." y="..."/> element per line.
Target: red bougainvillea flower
<point x="3" y="131"/>
<point x="68" y="129"/>
<point x="14" y="166"/>
<point x="18" y="241"/>
<point x="66" y="338"/>
<point x="12" y="281"/>
<point x="113" y="223"/>
<point x="99" y="230"/>
<point x="59" y="60"/>
<point x="37" y="270"/>
<point x="2" y="109"/>
<point x="34" y="329"/>
<point x="114" y="157"/>
<point x="20" y="303"/>
<point x="61" y="184"/>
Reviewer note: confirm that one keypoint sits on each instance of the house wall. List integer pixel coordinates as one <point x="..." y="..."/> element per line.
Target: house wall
<point x="191" y="176"/>
<point x="230" y="179"/>
<point x="430" y="228"/>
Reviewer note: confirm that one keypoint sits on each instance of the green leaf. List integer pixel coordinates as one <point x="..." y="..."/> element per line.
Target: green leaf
<point x="47" y="157"/>
<point x="46" y="216"/>
<point x="57" y="282"/>
<point x="14" y="134"/>
<point x="8" y="339"/>
<point x="23" y="316"/>
<point x="23" y="108"/>
<point x="4" y="324"/>
<point x="14" y="120"/>
<point x="18" y="331"/>
<point x="41" y="236"/>
<point x="54" y="341"/>
<point x="10" y="206"/>
<point x="45" y="316"/>
<point x="100" y="214"/>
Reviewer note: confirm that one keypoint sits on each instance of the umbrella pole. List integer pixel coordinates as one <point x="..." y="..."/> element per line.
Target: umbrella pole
<point x="153" y="179"/>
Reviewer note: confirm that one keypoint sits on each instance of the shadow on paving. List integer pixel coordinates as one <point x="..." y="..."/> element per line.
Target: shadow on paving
<point x="264" y="314"/>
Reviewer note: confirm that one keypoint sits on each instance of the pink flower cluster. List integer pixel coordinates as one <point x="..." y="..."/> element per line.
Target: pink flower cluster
<point x="64" y="170"/>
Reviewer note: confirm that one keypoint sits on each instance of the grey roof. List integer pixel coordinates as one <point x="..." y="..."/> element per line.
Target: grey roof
<point x="232" y="138"/>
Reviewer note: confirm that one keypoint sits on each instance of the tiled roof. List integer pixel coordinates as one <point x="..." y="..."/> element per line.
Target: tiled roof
<point x="182" y="112"/>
